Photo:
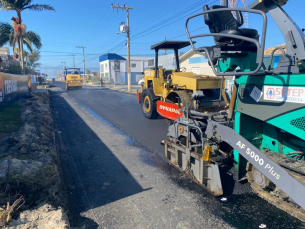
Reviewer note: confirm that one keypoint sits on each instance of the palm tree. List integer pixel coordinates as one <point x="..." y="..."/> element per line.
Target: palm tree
<point x="19" y="6"/>
<point x="33" y="58"/>
<point x="30" y="39"/>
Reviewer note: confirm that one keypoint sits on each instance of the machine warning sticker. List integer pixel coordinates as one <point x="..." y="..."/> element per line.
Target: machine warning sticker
<point x="284" y="94"/>
<point x="256" y="94"/>
<point x="147" y="73"/>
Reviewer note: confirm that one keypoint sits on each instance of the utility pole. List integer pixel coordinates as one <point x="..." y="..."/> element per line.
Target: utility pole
<point x="82" y="47"/>
<point x="73" y="59"/>
<point x="164" y="49"/>
<point x="64" y="63"/>
<point x="60" y="69"/>
<point x="128" y="40"/>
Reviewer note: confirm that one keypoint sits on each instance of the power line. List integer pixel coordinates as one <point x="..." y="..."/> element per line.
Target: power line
<point x="147" y="31"/>
<point x="169" y="18"/>
<point x="166" y="24"/>
<point x="188" y="9"/>
<point x="172" y="17"/>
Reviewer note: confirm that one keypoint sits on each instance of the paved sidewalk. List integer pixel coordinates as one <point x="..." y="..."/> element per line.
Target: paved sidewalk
<point x="122" y="88"/>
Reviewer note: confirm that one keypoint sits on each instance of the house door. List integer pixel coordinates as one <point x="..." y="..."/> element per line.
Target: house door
<point x="118" y="78"/>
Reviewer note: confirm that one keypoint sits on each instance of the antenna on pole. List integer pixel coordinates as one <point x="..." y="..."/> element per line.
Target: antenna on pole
<point x="246" y="18"/>
<point x="224" y="3"/>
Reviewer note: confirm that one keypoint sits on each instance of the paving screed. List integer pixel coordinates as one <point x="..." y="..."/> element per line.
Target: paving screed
<point x="116" y="176"/>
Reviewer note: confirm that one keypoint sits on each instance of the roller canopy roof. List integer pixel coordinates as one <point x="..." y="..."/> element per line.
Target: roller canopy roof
<point x="171" y="45"/>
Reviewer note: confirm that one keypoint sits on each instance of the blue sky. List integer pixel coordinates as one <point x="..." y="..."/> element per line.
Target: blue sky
<point x="93" y="24"/>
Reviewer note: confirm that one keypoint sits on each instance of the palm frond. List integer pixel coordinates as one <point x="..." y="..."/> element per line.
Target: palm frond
<point x="38" y="7"/>
<point x="27" y="43"/>
<point x="25" y="2"/>
<point x="5" y="31"/>
<point x="11" y="39"/>
<point x="8" y="5"/>
<point x="36" y="65"/>
<point x="6" y="27"/>
<point x="34" y="38"/>
<point x="33" y="59"/>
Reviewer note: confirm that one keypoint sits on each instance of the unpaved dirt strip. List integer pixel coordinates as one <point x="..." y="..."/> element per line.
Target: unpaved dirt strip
<point x="113" y="182"/>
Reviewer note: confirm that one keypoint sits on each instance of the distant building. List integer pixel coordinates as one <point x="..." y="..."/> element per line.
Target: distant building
<point x="113" y="68"/>
<point x="4" y="51"/>
<point x="4" y="56"/>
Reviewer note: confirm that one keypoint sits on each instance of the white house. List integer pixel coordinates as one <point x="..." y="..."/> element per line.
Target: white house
<point x="192" y="61"/>
<point x="196" y="62"/>
<point x="113" y="68"/>
<point x="166" y="61"/>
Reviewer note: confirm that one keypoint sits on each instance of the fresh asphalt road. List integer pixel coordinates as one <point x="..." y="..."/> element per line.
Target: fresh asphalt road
<point x="145" y="193"/>
<point x="124" y="111"/>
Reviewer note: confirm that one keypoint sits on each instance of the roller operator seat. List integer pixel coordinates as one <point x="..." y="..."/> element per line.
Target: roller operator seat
<point x="225" y="23"/>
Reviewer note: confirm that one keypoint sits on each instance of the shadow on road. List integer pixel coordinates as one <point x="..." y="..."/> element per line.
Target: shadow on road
<point x="106" y="180"/>
<point x="92" y="175"/>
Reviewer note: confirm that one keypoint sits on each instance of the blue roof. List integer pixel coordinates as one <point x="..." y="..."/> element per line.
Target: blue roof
<point x="111" y="56"/>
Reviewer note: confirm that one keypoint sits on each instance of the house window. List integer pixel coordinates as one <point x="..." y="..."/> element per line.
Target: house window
<point x="133" y="65"/>
<point x="151" y="62"/>
<point x="102" y="68"/>
<point x="198" y="60"/>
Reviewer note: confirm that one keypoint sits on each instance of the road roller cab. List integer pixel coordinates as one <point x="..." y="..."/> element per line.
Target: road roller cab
<point x="177" y="87"/>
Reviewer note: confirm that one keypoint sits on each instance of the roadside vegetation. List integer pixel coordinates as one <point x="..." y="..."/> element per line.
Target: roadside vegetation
<point x="10" y="120"/>
<point x="30" y="184"/>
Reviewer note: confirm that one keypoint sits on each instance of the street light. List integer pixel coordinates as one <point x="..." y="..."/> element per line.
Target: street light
<point x="120" y="34"/>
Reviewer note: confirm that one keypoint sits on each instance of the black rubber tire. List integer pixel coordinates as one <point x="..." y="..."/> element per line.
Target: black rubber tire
<point x="169" y="122"/>
<point x="148" y="104"/>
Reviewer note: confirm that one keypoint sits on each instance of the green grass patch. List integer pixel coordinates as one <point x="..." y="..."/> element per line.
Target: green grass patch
<point x="10" y="120"/>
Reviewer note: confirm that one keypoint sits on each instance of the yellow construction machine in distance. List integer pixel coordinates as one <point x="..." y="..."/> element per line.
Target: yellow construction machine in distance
<point x="178" y="87"/>
<point x="73" y="79"/>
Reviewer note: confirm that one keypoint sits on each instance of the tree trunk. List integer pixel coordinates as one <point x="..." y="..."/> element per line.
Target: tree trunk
<point x="19" y="15"/>
<point x="21" y="45"/>
<point x="21" y="55"/>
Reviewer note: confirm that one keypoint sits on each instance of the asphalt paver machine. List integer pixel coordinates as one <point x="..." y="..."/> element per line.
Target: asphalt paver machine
<point x="261" y="134"/>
